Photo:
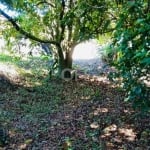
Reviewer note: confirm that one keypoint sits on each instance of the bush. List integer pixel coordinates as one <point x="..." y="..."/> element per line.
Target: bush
<point x="131" y="40"/>
<point x="108" y="53"/>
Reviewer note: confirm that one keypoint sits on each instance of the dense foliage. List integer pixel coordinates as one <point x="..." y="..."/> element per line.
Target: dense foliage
<point x="132" y="41"/>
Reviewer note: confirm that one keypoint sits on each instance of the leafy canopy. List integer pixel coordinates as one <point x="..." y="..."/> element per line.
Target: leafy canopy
<point x="60" y="21"/>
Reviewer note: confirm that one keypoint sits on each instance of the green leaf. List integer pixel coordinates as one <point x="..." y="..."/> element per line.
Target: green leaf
<point x="146" y="61"/>
<point x="137" y="90"/>
<point x="140" y="20"/>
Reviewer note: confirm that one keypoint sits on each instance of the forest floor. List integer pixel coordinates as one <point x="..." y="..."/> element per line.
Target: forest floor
<point x="50" y="114"/>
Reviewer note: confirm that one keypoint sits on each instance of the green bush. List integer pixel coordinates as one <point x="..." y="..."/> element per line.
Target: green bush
<point x="132" y="41"/>
<point x="108" y="53"/>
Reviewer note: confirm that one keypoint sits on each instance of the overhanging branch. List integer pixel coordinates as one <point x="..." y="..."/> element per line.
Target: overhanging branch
<point x="45" y="2"/>
<point x="28" y="35"/>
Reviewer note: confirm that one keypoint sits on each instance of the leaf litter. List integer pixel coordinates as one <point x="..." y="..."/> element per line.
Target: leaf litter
<point x="78" y="115"/>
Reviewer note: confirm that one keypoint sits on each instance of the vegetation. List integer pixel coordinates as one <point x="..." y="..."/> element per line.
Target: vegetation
<point x="131" y="40"/>
<point x="46" y="113"/>
<point x="129" y="52"/>
<point x="108" y="54"/>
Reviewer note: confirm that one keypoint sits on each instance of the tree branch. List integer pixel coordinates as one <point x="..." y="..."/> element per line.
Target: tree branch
<point x="61" y="18"/>
<point x="45" y="2"/>
<point x="95" y="7"/>
<point x="26" y="34"/>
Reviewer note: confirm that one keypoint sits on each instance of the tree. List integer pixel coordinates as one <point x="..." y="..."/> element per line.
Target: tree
<point x="61" y="23"/>
<point x="131" y="39"/>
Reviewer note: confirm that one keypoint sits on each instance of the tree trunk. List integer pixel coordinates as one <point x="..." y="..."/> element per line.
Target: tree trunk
<point x="68" y="60"/>
<point x="65" y="64"/>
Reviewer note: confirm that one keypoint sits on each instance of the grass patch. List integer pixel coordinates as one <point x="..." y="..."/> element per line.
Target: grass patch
<point x="9" y="59"/>
<point x="27" y="67"/>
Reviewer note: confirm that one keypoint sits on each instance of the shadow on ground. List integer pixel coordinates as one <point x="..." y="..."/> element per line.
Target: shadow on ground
<point x="83" y="114"/>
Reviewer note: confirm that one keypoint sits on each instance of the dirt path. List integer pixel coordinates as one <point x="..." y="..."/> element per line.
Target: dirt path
<point x="92" y="66"/>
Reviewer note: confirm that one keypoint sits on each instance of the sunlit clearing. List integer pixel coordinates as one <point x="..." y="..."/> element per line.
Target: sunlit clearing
<point x="86" y="50"/>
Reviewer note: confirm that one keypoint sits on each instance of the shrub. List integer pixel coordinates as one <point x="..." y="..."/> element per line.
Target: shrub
<point x="108" y="53"/>
<point x="131" y="39"/>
